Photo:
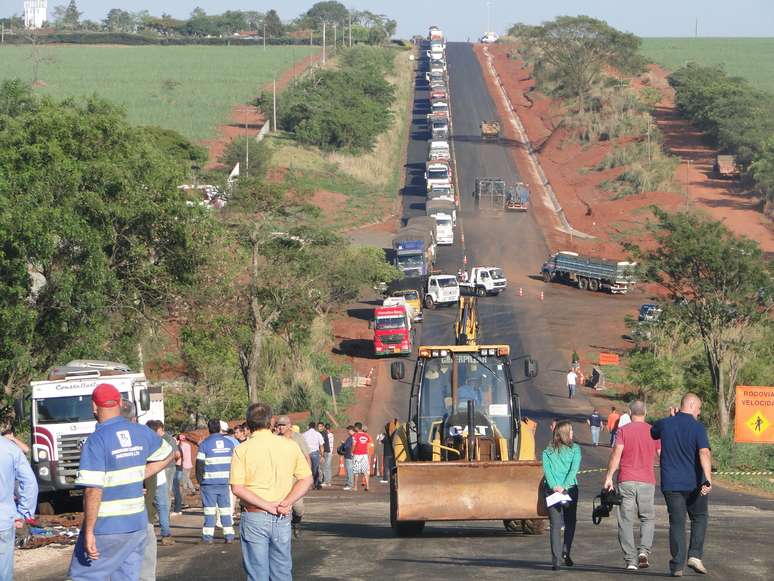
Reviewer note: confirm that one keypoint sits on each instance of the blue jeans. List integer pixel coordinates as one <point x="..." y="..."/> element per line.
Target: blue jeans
<point x="266" y="546"/>
<point x="161" y="500"/>
<point x="216" y="496"/>
<point x="315" y="458"/>
<point x="6" y="554"/>
<point x="681" y="506"/>
<point x="176" y="490"/>
<point x="595" y="434"/>
<point x="120" y="558"/>
<point x="350" y="474"/>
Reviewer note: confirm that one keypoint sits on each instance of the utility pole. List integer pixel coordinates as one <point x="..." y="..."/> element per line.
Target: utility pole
<point x="311" y="37"/>
<point x="334" y="36"/>
<point x="247" y="146"/>
<point x="274" y="104"/>
<point x="350" y="30"/>
<point x="696" y="29"/>
<point x="323" y="43"/>
<point x="264" y="35"/>
<point x="489" y="17"/>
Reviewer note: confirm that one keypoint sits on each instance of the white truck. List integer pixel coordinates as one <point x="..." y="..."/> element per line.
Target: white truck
<point x="439" y="109"/>
<point x="438" y="173"/>
<point x="61" y="419"/>
<point x="442" y="289"/>
<point x="441" y="207"/>
<point x="442" y="192"/>
<point x="489" y="38"/>
<point x="438" y="150"/>
<point x="483" y="280"/>
<point x="444" y="229"/>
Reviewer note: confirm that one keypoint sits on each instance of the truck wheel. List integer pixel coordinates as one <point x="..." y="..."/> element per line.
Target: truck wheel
<point x="481" y="291"/>
<point x="429" y="303"/>
<point x="593" y="285"/>
<point x="512" y="526"/>
<point x="583" y="283"/>
<point x="547" y="276"/>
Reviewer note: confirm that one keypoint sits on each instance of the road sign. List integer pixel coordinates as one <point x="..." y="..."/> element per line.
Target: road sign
<point x="754" y="414"/>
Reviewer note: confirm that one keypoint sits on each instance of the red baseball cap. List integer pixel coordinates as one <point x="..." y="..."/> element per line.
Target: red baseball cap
<point x="105" y="395"/>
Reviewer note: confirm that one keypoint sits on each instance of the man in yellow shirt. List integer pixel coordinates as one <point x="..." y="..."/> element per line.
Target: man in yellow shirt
<point x="268" y="474"/>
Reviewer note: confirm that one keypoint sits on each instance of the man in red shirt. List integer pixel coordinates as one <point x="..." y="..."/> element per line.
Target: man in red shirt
<point x="361" y="443"/>
<point x="634" y="453"/>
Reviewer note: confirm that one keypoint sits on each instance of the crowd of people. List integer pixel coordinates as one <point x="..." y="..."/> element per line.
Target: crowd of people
<point x="266" y="465"/>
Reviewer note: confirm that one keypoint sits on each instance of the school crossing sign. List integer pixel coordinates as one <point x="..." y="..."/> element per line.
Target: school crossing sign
<point x="754" y="414"/>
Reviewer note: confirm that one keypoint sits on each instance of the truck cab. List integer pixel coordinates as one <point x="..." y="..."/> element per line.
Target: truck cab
<point x="393" y="334"/>
<point x="444" y="229"/>
<point x="438" y="150"/>
<point x="439" y="109"/>
<point x="61" y="417"/>
<point x="438" y="173"/>
<point x="442" y="289"/>
<point x="485" y="280"/>
<point x="439" y="128"/>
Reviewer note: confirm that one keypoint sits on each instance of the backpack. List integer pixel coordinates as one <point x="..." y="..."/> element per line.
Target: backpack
<point x="340" y="450"/>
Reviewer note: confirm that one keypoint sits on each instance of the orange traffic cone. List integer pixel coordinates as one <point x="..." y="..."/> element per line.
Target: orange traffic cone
<point x="342" y="471"/>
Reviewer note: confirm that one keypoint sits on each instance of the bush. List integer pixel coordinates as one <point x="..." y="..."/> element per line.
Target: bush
<point x="654" y="176"/>
<point x="343" y="109"/>
<point x="236" y="152"/>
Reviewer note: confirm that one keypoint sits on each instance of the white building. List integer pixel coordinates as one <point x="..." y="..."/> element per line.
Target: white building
<point x="35" y="13"/>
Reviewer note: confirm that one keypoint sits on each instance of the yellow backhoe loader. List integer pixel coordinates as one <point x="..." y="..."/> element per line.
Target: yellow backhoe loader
<point x="466" y="328"/>
<point x="465" y="452"/>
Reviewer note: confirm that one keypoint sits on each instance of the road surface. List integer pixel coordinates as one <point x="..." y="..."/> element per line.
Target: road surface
<point x="347" y="536"/>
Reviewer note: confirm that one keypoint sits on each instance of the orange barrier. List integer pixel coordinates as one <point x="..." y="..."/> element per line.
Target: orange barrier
<point x="609" y="359"/>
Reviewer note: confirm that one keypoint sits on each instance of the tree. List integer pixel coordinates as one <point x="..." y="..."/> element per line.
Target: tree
<point x="254" y="163"/>
<point x="329" y="11"/>
<point x="273" y="24"/>
<point x="72" y="17"/>
<point x="574" y="50"/>
<point x="724" y="289"/>
<point x="118" y="20"/>
<point x="95" y="237"/>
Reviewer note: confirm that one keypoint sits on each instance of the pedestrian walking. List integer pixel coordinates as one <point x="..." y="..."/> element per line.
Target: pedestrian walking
<point x="625" y="418"/>
<point x="115" y="459"/>
<point x="633" y="457"/>
<point x="213" y="463"/>
<point x="327" y="472"/>
<point x="163" y="480"/>
<point x="686" y="464"/>
<point x="316" y="443"/>
<point x="346" y="451"/>
<point x="15" y="507"/>
<point x="360" y="460"/>
<point x="561" y="461"/>
<point x="595" y="423"/>
<point x="186" y="465"/>
<point x="612" y="424"/>
<point x="572" y="378"/>
<point x="332" y="444"/>
<point x="284" y="429"/>
<point x="270" y="475"/>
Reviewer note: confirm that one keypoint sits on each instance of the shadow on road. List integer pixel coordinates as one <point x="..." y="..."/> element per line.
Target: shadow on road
<point x="522" y="564"/>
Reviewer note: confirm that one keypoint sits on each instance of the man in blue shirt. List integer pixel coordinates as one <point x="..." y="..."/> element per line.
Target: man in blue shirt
<point x="213" y="466"/>
<point x="14" y="469"/>
<point x="115" y="460"/>
<point x="686" y="465"/>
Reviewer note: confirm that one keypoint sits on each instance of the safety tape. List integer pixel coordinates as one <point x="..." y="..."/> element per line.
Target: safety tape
<point x="725" y="473"/>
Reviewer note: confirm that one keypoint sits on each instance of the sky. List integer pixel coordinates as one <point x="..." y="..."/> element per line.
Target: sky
<point x="462" y="19"/>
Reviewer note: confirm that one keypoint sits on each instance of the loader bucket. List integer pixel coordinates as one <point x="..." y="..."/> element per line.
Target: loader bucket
<point x="444" y="491"/>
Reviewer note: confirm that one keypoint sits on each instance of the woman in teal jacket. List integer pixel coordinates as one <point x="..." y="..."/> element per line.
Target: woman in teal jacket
<point x="561" y="461"/>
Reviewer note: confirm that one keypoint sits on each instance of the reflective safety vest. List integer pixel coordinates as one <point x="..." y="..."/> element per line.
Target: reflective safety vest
<point x="216" y="452"/>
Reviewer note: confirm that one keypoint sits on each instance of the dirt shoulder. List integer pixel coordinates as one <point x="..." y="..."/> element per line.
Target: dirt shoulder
<point x="248" y="119"/>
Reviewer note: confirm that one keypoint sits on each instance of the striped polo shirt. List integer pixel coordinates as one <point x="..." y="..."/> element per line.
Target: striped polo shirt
<point x="113" y="458"/>
<point x="216" y="452"/>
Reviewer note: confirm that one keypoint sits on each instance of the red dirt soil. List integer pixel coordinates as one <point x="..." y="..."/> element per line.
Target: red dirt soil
<point x="248" y="119"/>
<point x="587" y="207"/>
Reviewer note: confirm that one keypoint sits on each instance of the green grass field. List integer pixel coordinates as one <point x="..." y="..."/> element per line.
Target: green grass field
<point x="188" y="88"/>
<point x="751" y="58"/>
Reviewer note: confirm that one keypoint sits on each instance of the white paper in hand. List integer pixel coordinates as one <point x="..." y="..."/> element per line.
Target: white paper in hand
<point x="558" y="497"/>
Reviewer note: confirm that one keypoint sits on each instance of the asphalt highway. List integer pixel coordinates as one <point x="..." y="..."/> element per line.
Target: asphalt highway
<point x="347" y="536"/>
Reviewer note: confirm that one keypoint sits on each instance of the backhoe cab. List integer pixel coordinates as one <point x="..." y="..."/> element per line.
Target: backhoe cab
<point x="464" y="453"/>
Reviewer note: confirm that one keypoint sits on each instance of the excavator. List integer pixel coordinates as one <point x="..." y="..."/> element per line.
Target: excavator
<point x="466" y="452"/>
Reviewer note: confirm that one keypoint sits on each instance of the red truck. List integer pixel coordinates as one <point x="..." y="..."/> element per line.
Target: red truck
<point x="393" y="334"/>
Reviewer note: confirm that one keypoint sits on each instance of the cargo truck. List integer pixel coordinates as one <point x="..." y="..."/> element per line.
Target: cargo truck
<point x="410" y="255"/>
<point x="61" y="419"/>
<point x="438" y="173"/>
<point x="484" y="280"/>
<point x="590" y="273"/>
<point x="490" y="195"/>
<point x="393" y="334"/>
